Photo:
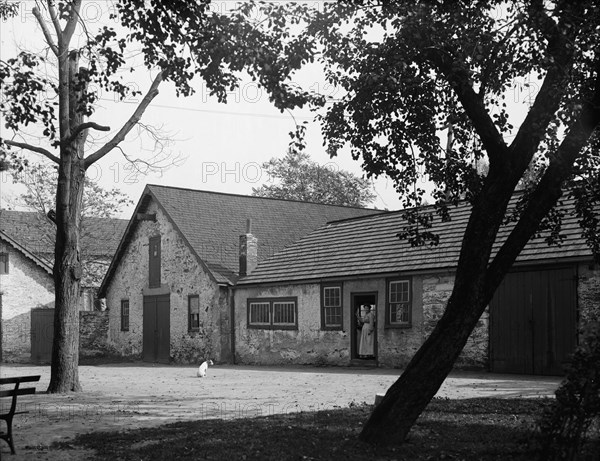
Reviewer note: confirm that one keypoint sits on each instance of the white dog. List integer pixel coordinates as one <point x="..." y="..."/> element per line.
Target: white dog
<point x="202" y="368"/>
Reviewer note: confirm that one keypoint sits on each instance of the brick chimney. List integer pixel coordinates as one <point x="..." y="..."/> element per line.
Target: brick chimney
<point x="248" y="250"/>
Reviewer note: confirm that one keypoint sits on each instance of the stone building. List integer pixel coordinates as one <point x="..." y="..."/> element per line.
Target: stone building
<point x="169" y="288"/>
<point x="306" y="304"/>
<point x="26" y="282"/>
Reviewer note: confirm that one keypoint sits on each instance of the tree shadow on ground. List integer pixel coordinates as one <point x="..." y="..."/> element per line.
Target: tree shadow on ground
<point x="477" y="429"/>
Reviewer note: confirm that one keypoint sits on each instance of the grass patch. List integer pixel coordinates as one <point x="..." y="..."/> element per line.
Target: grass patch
<point x="472" y="429"/>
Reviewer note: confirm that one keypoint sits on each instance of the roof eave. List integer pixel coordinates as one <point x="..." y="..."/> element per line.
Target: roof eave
<point x="556" y="261"/>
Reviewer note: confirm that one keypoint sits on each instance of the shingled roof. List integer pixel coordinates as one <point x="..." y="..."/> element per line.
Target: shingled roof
<point x="212" y="222"/>
<point x="369" y="246"/>
<point x="35" y="234"/>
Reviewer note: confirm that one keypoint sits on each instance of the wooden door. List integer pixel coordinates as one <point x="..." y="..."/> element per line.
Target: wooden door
<point x="533" y="322"/>
<point x="156" y="326"/>
<point x="42" y="334"/>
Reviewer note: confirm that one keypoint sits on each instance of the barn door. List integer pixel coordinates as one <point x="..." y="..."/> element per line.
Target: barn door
<point x="42" y="334"/>
<point x="533" y="322"/>
<point x="156" y="325"/>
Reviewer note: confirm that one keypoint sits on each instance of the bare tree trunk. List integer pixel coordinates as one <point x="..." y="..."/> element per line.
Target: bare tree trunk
<point x="67" y="276"/>
<point x="67" y="265"/>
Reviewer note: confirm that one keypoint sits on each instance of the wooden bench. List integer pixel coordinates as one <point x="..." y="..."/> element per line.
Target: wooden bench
<point x="14" y="393"/>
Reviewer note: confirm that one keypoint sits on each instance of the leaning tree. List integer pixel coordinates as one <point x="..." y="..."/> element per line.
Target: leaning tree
<point x="429" y="92"/>
<point x="57" y="90"/>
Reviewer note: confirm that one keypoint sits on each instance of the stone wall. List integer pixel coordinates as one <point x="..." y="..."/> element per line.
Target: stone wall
<point x="181" y="276"/>
<point x="25" y="286"/>
<point x="93" y="334"/>
<point x="16" y="338"/>
<point x="436" y="291"/>
<point x="311" y="345"/>
<point x="306" y="345"/>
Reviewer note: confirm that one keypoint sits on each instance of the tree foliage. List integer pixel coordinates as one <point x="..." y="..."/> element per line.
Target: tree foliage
<point x="297" y="177"/>
<point x="186" y="39"/>
<point x="8" y="9"/>
<point x="567" y="425"/>
<point x="434" y="64"/>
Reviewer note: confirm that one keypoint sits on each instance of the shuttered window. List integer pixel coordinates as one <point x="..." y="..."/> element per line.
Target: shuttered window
<point x="273" y="313"/>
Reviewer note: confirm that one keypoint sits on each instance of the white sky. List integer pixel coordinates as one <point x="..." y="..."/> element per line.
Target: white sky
<point x="217" y="147"/>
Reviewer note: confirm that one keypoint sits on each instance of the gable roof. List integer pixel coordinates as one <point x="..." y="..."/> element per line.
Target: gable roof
<point x="211" y="223"/>
<point x="369" y="246"/>
<point x="34" y="235"/>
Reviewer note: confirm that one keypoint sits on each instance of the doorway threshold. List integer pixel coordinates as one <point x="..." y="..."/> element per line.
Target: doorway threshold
<point x="366" y="363"/>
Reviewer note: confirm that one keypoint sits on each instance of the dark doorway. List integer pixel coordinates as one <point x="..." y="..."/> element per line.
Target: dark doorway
<point x="42" y="334"/>
<point x="364" y="327"/>
<point x="533" y="322"/>
<point x="156" y="325"/>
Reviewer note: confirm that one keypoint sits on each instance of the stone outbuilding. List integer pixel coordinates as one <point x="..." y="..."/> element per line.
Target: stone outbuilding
<point x="169" y="288"/>
<point x="308" y="304"/>
<point x="27" y="285"/>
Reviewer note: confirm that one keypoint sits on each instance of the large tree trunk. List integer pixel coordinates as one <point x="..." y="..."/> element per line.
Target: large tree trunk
<point x="64" y="376"/>
<point x="67" y="277"/>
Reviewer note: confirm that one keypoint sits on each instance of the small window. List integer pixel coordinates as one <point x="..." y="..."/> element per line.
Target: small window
<point x="154" y="263"/>
<point x="124" y="315"/>
<point x="273" y="313"/>
<point x="399" y="303"/>
<point x="193" y="313"/>
<point x="3" y="263"/>
<point x="331" y="307"/>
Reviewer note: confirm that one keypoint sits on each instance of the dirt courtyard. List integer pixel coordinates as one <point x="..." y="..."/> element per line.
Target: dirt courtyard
<point x="130" y="396"/>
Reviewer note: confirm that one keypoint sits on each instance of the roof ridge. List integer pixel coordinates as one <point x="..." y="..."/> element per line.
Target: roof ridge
<point x="265" y="198"/>
<point x="385" y="213"/>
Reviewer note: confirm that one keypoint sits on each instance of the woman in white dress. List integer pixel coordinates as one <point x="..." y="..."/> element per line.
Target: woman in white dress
<point x="367" y="338"/>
